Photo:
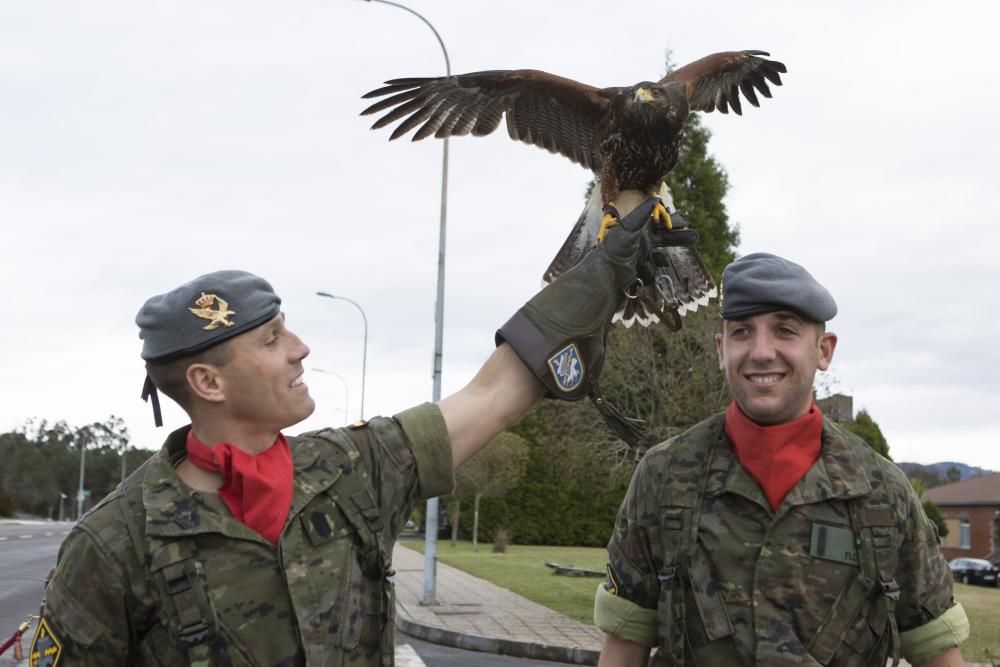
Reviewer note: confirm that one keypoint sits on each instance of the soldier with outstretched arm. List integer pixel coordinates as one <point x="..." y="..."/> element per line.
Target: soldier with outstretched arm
<point x="770" y="535"/>
<point x="237" y="545"/>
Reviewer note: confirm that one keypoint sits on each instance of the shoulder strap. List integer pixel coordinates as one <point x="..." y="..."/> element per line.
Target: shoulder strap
<point x="679" y="534"/>
<point x="173" y="568"/>
<point x="133" y="512"/>
<point x="355" y="494"/>
<point x="873" y="518"/>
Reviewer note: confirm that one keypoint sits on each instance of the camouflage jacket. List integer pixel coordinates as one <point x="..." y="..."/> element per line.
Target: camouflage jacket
<point x="813" y="583"/>
<point x="189" y="584"/>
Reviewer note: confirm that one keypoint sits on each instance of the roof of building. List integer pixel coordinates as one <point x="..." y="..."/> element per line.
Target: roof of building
<point x="982" y="490"/>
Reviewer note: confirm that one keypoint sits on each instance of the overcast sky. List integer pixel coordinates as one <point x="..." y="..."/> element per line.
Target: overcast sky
<point x="143" y="144"/>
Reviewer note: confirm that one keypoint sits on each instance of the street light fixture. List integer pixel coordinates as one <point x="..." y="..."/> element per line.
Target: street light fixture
<point x="364" y="354"/>
<point x="341" y="378"/>
<point x="431" y="529"/>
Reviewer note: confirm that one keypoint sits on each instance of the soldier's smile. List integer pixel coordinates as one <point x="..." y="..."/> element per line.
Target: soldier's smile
<point x="770" y="361"/>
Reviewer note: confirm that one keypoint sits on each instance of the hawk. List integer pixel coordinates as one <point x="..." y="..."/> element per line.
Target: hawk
<point x="628" y="136"/>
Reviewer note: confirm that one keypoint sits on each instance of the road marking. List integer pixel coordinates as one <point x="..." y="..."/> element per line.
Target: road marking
<point x="2" y="539"/>
<point x="407" y="657"/>
<point x="49" y="534"/>
<point x="25" y="537"/>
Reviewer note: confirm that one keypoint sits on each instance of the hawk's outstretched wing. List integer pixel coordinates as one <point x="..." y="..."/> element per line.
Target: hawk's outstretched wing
<point x="558" y="114"/>
<point x="715" y="81"/>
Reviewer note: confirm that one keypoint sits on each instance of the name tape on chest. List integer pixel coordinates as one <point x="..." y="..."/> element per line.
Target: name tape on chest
<point x="833" y="543"/>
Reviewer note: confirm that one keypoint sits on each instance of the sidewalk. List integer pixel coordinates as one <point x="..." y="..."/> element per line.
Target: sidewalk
<point x="475" y="614"/>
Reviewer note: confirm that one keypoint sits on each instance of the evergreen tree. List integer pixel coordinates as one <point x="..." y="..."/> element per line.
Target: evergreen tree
<point x="699" y="184"/>
<point x="42" y="460"/>
<point x="867" y="429"/>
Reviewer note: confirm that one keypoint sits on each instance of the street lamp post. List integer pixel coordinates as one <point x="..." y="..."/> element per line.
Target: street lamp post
<point x="124" y="456"/>
<point x="431" y="528"/>
<point x="80" y="495"/>
<point x="346" y="391"/>
<point x="364" y="354"/>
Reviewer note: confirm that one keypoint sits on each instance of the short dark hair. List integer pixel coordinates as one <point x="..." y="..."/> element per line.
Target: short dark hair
<point x="171" y="377"/>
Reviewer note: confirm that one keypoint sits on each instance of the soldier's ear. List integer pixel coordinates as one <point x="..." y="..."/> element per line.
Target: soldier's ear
<point x="827" y="344"/>
<point x="718" y="351"/>
<point x="204" y="382"/>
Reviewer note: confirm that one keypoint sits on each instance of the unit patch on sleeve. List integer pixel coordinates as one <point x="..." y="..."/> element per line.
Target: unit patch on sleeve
<point x="46" y="649"/>
<point x="567" y="368"/>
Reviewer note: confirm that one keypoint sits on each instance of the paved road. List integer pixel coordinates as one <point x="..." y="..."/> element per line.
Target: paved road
<point x="27" y="551"/>
<point x="411" y="652"/>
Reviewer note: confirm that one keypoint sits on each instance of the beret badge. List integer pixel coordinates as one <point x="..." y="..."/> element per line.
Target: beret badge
<point x="217" y="317"/>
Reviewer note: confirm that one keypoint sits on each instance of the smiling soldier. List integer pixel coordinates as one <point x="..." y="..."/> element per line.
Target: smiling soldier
<point x="769" y="535"/>
<point x="237" y="545"/>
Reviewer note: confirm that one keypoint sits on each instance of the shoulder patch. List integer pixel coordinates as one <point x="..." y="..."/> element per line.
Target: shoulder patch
<point x="611" y="584"/>
<point x="46" y="649"/>
<point x="566" y="366"/>
<point x="361" y="423"/>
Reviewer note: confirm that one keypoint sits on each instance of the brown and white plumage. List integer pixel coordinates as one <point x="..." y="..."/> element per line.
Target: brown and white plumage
<point x="680" y="284"/>
<point x="628" y="136"/>
<point x="566" y="116"/>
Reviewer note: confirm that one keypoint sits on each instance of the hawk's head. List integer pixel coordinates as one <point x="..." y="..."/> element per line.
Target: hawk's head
<point x="660" y="101"/>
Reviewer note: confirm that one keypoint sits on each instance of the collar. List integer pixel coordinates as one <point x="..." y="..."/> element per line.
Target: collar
<point x="837" y="474"/>
<point x="173" y="509"/>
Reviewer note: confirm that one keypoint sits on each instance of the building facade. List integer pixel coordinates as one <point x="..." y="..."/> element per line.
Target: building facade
<point x="971" y="510"/>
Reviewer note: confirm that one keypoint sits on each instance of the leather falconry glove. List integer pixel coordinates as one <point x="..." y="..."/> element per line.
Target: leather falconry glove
<point x="561" y="333"/>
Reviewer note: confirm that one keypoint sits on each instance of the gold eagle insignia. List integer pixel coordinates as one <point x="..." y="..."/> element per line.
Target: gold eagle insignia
<point x="217" y="317"/>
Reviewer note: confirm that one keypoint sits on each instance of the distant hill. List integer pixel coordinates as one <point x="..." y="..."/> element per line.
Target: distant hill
<point x="935" y="474"/>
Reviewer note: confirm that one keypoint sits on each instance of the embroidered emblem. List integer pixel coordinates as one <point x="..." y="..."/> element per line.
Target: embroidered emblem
<point x="45" y="647"/>
<point x="611" y="584"/>
<point x="217" y="317"/>
<point x="567" y="368"/>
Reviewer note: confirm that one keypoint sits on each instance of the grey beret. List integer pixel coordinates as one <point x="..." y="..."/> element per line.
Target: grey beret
<point x="763" y="283"/>
<point x="204" y="312"/>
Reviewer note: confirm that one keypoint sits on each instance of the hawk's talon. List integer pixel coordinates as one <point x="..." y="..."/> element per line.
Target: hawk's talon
<point x="610" y="219"/>
<point x="660" y="214"/>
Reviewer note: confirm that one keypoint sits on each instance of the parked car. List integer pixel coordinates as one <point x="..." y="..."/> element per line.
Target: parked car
<point x="975" y="571"/>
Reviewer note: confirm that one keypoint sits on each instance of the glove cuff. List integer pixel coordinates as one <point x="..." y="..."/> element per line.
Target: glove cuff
<point x="564" y="365"/>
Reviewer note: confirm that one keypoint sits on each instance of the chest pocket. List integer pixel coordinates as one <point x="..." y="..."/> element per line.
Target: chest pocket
<point x="344" y="571"/>
<point x="691" y="612"/>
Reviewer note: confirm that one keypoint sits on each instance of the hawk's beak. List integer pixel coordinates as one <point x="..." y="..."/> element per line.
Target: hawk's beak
<point x="642" y="95"/>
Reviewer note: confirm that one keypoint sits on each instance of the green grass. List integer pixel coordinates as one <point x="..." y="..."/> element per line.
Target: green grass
<point x="522" y="570"/>
<point x="982" y="604"/>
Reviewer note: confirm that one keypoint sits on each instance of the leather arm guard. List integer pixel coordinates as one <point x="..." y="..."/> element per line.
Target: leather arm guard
<point x="560" y="333"/>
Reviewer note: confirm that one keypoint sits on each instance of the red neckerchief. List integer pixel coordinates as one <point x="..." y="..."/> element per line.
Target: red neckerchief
<point x="777" y="456"/>
<point x="256" y="489"/>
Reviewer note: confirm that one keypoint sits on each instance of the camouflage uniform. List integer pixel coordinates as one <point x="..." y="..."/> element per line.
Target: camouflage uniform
<point x="212" y="591"/>
<point x="847" y="562"/>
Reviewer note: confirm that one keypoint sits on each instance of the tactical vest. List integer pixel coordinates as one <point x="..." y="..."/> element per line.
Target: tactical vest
<point x="187" y="629"/>
<point x="687" y="580"/>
